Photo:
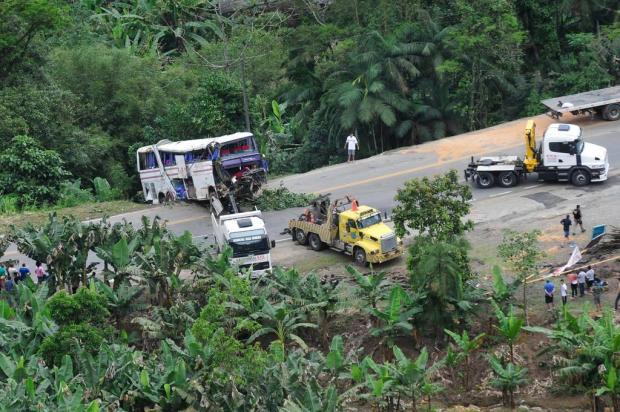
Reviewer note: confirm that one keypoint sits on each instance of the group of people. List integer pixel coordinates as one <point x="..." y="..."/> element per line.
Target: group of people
<point x="581" y="283"/>
<point x="567" y="223"/>
<point x="10" y="275"/>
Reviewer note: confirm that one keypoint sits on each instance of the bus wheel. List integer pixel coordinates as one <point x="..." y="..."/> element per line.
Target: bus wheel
<point x="359" y="256"/>
<point x="580" y="178"/>
<point x="485" y="180"/>
<point x="508" y="179"/>
<point x="315" y="241"/>
<point x="161" y="198"/>
<point x="301" y="237"/>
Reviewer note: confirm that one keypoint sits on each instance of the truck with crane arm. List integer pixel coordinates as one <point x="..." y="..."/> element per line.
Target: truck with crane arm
<point x="562" y="155"/>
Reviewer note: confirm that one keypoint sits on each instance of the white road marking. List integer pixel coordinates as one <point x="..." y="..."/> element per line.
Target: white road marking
<point x="531" y="187"/>
<point x="283" y="240"/>
<point x="501" y="194"/>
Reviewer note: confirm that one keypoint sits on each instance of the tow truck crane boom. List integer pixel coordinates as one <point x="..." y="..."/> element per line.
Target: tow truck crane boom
<point x="531" y="154"/>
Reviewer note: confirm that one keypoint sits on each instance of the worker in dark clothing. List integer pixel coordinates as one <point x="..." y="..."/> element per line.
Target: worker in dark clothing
<point x="577" y="217"/>
<point x="566" y="223"/>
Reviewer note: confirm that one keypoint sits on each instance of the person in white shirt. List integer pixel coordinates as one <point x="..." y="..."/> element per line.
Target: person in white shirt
<point x="581" y="279"/>
<point x="563" y="292"/>
<point x="351" y="145"/>
<point x="589" y="277"/>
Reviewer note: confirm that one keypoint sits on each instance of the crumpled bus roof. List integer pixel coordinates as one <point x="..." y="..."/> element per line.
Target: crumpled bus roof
<point x="185" y="146"/>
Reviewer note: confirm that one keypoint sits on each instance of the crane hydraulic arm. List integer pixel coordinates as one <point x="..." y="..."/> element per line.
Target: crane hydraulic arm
<point x="531" y="157"/>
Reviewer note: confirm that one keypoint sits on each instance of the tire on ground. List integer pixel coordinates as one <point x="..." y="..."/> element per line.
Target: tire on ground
<point x="485" y="180"/>
<point x="301" y="237"/>
<point x="580" y="177"/>
<point x="315" y="241"/>
<point x="359" y="256"/>
<point x="508" y="179"/>
<point x="611" y="112"/>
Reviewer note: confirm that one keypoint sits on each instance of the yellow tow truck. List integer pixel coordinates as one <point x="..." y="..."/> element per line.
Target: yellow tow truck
<point x="346" y="226"/>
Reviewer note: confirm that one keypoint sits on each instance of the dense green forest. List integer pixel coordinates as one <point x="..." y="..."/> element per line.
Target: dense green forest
<point x="88" y="81"/>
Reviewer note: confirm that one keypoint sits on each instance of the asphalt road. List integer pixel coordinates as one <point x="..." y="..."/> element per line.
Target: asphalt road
<point x="374" y="181"/>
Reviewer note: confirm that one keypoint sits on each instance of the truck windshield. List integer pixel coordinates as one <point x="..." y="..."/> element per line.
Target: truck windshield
<point x="254" y="246"/>
<point x="369" y="221"/>
<point x="579" y="146"/>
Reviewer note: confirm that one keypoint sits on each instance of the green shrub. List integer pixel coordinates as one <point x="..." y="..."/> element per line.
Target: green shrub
<point x="83" y="306"/>
<point x="103" y="191"/>
<point x="282" y="198"/>
<point x="71" y="194"/>
<point x="9" y="204"/>
<point x="65" y="342"/>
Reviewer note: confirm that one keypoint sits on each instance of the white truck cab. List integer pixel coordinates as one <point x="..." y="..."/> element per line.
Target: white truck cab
<point x="246" y="235"/>
<point x="563" y="149"/>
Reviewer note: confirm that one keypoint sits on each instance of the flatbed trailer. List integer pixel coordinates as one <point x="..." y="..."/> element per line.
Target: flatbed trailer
<point x="603" y="102"/>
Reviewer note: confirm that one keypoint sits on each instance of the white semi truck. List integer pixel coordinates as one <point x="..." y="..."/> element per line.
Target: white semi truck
<point x="562" y="156"/>
<point x="245" y="233"/>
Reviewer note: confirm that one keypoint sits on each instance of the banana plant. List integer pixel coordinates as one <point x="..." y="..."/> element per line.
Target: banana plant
<point x="377" y="384"/>
<point x="371" y="287"/>
<point x="507" y="378"/>
<point x="611" y="385"/>
<point x="281" y="321"/>
<point x="315" y="399"/>
<point x="411" y="376"/>
<point x="466" y="346"/>
<point x="395" y="319"/>
<point x="120" y="302"/>
<point x="509" y="327"/>
<point x="118" y="256"/>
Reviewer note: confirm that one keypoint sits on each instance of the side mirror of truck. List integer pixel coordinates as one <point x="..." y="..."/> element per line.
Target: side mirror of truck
<point x="273" y="243"/>
<point x="348" y="227"/>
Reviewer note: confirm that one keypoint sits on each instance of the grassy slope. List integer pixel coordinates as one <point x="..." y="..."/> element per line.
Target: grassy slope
<point x="86" y="211"/>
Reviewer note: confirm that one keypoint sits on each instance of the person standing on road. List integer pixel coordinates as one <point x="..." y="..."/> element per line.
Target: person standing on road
<point x="351" y="145"/>
<point x="564" y="292"/>
<point x="549" y="289"/>
<point x="566" y="226"/>
<point x="581" y="280"/>
<point x="577" y="217"/>
<point x="572" y="278"/>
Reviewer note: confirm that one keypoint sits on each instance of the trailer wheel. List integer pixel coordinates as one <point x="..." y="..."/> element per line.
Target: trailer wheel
<point x="301" y="237"/>
<point x="508" y="179"/>
<point x="580" y="177"/>
<point x="485" y="180"/>
<point x="611" y="112"/>
<point x="315" y="241"/>
<point x="359" y="256"/>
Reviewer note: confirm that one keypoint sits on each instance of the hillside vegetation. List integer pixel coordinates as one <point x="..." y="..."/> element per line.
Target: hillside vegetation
<point x="85" y="82"/>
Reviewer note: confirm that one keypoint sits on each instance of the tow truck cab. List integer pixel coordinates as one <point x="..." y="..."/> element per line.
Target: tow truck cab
<point x="364" y="229"/>
<point x="565" y="155"/>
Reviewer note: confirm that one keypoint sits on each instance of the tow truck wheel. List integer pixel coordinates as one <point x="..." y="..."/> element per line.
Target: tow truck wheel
<point x="301" y="237"/>
<point x="485" y="180"/>
<point x="580" y="178"/>
<point x="315" y="241"/>
<point x="360" y="256"/>
<point x="507" y="179"/>
<point x="611" y="112"/>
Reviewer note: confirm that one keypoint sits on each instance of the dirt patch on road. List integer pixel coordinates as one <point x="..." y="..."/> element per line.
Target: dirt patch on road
<point x="491" y="139"/>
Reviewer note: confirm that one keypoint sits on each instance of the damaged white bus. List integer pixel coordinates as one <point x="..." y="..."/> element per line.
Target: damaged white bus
<point x="227" y="167"/>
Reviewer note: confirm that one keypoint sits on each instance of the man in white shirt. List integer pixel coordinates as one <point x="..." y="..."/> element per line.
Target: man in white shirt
<point x="564" y="292"/>
<point x="351" y="144"/>
<point x="581" y="279"/>
<point x="589" y="277"/>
